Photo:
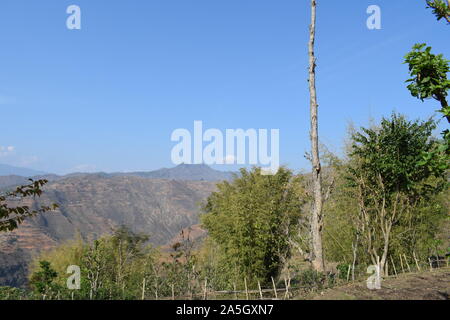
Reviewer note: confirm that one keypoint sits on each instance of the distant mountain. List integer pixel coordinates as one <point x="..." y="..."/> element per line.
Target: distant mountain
<point x="7" y="170"/>
<point x="191" y="172"/>
<point x="7" y="182"/>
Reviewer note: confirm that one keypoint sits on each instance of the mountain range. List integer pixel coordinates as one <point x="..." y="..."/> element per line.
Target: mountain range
<point x="13" y="176"/>
<point x="160" y="203"/>
<point x="6" y="170"/>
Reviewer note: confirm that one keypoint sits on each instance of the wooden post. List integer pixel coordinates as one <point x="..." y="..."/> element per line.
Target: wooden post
<point x="72" y="294"/>
<point x="286" y="295"/>
<point x="260" y="290"/>
<point x="417" y="262"/>
<point x="205" y="293"/>
<point x="156" y="288"/>
<point x="401" y="263"/>
<point x="406" y="260"/>
<point x="431" y="265"/>
<point x="437" y="259"/>
<point x="246" y="288"/>
<point x="393" y="265"/>
<point x="143" y="289"/>
<point x="173" y="292"/>
<point x="274" y="288"/>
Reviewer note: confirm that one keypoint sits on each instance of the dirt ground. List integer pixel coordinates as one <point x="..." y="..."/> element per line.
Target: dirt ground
<point x="429" y="285"/>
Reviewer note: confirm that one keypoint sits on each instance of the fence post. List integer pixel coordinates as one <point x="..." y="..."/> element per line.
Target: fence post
<point x="246" y="288"/>
<point x="348" y="273"/>
<point x="260" y="291"/>
<point x="205" y="293"/>
<point x="286" y="295"/>
<point x="401" y="263"/>
<point x="406" y="260"/>
<point x="156" y="288"/>
<point x="235" y="291"/>
<point x="417" y="263"/>
<point x="274" y="288"/>
<point x="143" y="289"/>
<point x="437" y="259"/>
<point x="173" y="292"/>
<point x="393" y="265"/>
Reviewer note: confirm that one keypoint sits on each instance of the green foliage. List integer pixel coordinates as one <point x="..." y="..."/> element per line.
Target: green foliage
<point x="393" y="184"/>
<point x="311" y="279"/>
<point x="42" y="280"/>
<point x="428" y="75"/>
<point x="12" y="217"/>
<point x="441" y="9"/>
<point x="251" y="220"/>
<point x="343" y="269"/>
<point x="9" y="293"/>
<point x="112" y="267"/>
<point x="394" y="154"/>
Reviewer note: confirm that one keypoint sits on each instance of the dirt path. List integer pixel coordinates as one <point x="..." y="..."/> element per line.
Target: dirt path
<point x="430" y="285"/>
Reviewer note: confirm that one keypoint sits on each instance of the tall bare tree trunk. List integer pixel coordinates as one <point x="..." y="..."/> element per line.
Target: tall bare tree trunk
<point x="316" y="218"/>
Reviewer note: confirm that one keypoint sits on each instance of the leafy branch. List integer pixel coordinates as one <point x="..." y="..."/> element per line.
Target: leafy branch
<point x="12" y="217"/>
<point x="441" y="9"/>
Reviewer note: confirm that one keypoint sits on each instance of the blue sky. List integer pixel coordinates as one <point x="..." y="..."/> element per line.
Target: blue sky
<point x="107" y="97"/>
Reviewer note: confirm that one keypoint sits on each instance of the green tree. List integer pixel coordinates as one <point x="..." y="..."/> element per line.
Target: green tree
<point x="42" y="281"/>
<point x="390" y="179"/>
<point x="12" y="217"/>
<point x="251" y="220"/>
<point x="112" y="267"/>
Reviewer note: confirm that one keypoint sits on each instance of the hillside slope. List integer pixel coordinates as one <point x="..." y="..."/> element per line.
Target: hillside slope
<point x="93" y="205"/>
<point x="425" y="285"/>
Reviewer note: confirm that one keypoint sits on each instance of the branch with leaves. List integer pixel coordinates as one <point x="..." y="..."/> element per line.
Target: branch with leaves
<point x="441" y="9"/>
<point x="12" y="217"/>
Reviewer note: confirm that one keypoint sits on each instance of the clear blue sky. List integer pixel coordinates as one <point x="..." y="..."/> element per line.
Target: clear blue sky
<point x="107" y="97"/>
